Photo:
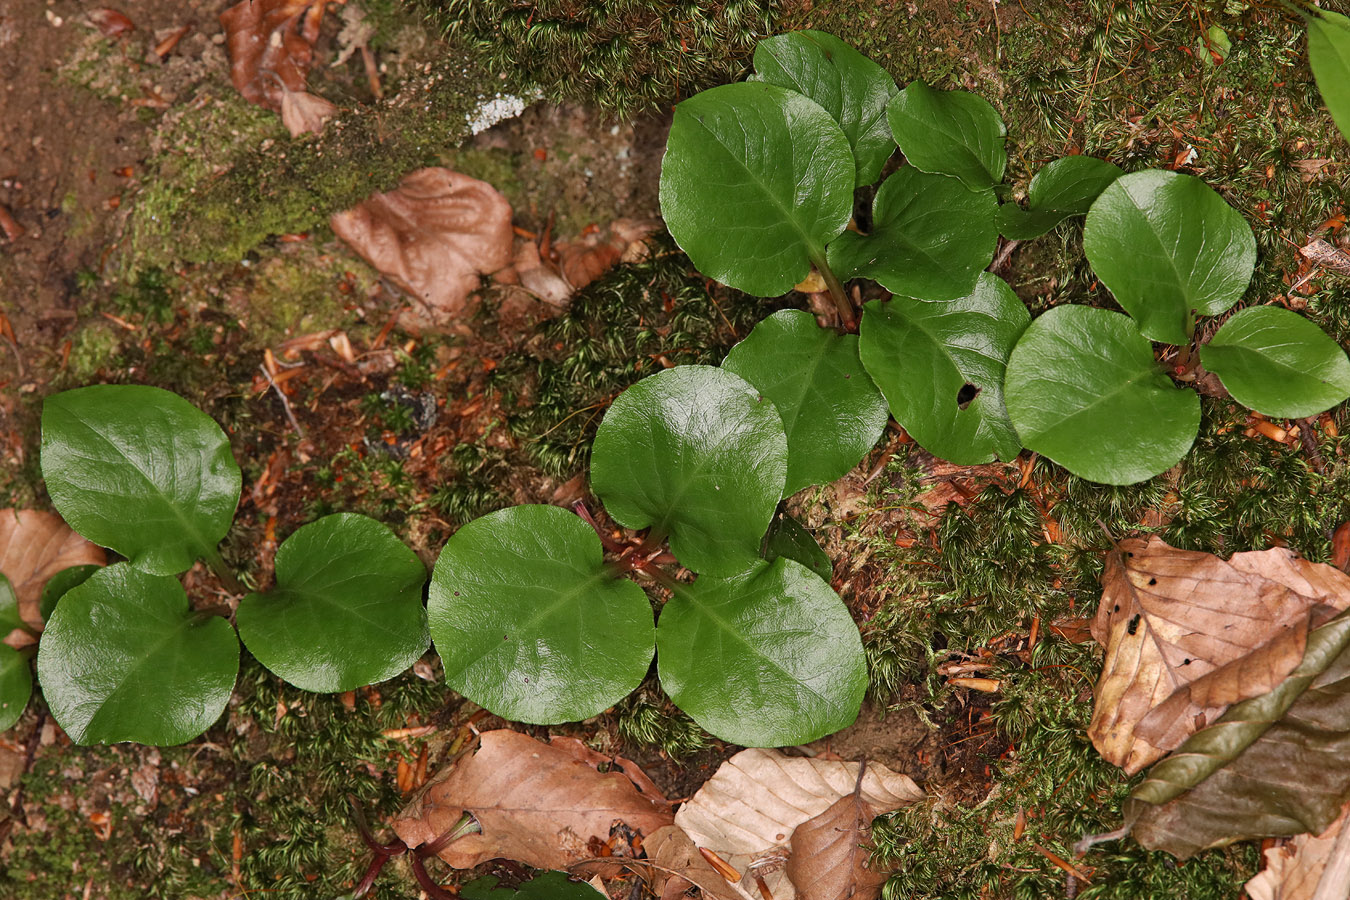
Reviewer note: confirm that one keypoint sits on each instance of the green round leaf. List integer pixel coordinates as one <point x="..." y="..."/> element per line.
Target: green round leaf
<point x="1083" y="389"/>
<point x="1165" y="244"/>
<point x="852" y="89"/>
<point x="16" y="685"/>
<point x="60" y="583"/>
<point x="9" y="608"/>
<point x="1278" y="363"/>
<point x="950" y="133"/>
<point x="755" y="182"/>
<point x="347" y="608"/>
<point x="124" y="658"/>
<point x="1064" y="188"/>
<point x="530" y="624"/>
<point x="140" y="470"/>
<point x="698" y="454"/>
<point x="929" y="357"/>
<point x="831" y="410"/>
<point x="1329" y="56"/>
<point x="767" y="658"/>
<point x="930" y="237"/>
<point x="789" y="538"/>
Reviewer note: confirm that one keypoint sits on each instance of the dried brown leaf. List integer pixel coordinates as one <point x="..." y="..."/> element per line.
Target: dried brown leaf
<point x="1327" y="256"/>
<point x="1297" y="868"/>
<point x="34" y="546"/>
<point x="111" y="22"/>
<point x="536" y="803"/>
<point x="305" y="113"/>
<point x="271" y="47"/>
<point x="749" y="809"/>
<point x="828" y="859"/>
<point x="434" y="236"/>
<point x="1188" y="634"/>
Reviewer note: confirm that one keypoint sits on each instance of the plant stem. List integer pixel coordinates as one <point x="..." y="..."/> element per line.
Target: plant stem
<point x="227" y="579"/>
<point x="836" y="288"/>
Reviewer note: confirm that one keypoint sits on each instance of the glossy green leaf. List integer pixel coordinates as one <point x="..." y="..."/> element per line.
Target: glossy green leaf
<point x="1083" y="389"/>
<point x="1270" y="766"/>
<point x="950" y="133"/>
<point x="1064" y="188"/>
<point x="530" y="624"/>
<point x="1329" y="55"/>
<point x="140" y="470"/>
<point x="789" y="539"/>
<point x="930" y="237"/>
<point x="698" y="454"/>
<point x="1165" y="245"/>
<point x="832" y="412"/>
<point x="852" y="89"/>
<point x="755" y="182"/>
<point x="124" y="658"/>
<point x="1278" y="363"/>
<point x="16" y="685"/>
<point x="928" y="357"/>
<point x="545" y="886"/>
<point x="9" y="608"/>
<point x="346" y="611"/>
<point x="57" y="586"/>
<point x="767" y="658"/>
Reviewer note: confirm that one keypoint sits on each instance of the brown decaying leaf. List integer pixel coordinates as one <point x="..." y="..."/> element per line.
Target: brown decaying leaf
<point x="1327" y="256"/>
<point x="749" y="809"/>
<point x="305" y="113"/>
<point x="536" y="803"/>
<point x="111" y="22"/>
<point x="34" y="546"/>
<point x="1297" y="869"/>
<point x="828" y="859"/>
<point x="271" y="47"/>
<point x="1340" y="546"/>
<point x="1187" y="635"/>
<point x="433" y="236"/>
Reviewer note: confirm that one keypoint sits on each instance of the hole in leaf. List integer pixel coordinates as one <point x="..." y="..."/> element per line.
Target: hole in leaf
<point x="967" y="393"/>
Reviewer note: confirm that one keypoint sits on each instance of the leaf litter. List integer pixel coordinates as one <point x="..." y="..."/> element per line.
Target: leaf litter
<point x="34" y="546"/>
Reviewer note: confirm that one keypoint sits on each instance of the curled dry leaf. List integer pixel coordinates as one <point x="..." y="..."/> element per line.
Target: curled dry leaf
<point x="271" y="46"/>
<point x="1320" y="253"/>
<point x="111" y="22"/>
<point x="828" y="859"/>
<point x="433" y="236"/>
<point x="747" y="812"/>
<point x="1187" y="635"/>
<point x="305" y="113"/>
<point x="536" y="803"/>
<point x="34" y="546"/>
<point x="1295" y="870"/>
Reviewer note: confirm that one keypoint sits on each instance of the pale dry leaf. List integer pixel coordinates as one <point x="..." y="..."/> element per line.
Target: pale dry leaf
<point x="671" y="850"/>
<point x="1188" y="634"/>
<point x="111" y="22"/>
<point x="305" y="113"/>
<point x="828" y="854"/>
<point x="434" y="236"/>
<point x="271" y="47"/>
<point x="537" y="278"/>
<point x="34" y="546"/>
<point x="536" y="803"/>
<point x="746" y="813"/>
<point x="1327" y="256"/>
<point x="1295" y="868"/>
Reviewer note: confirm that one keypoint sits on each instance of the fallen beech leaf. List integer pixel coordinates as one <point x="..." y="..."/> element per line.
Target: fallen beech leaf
<point x="581" y="263"/>
<point x="1327" y="256"/>
<point x="111" y="22"/>
<point x="750" y="808"/>
<point x="829" y="852"/>
<point x="34" y="546"/>
<point x="536" y="803"/>
<point x="537" y="278"/>
<point x="1295" y="870"/>
<point x="433" y="236"/>
<point x="271" y="47"/>
<point x="1187" y="635"/>
<point x="305" y="113"/>
<point x="1340" y="546"/>
<point x="1271" y="766"/>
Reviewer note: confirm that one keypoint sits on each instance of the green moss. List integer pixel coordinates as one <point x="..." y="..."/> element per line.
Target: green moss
<point x="622" y="55"/>
<point x="94" y="346"/>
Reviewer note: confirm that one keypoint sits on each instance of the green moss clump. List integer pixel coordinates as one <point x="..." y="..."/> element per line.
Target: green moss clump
<point x="623" y="55"/>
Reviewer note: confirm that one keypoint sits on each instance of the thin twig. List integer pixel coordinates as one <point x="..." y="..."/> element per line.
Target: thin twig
<point x="285" y="401"/>
<point x="1308" y="439"/>
<point x="1004" y="254"/>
